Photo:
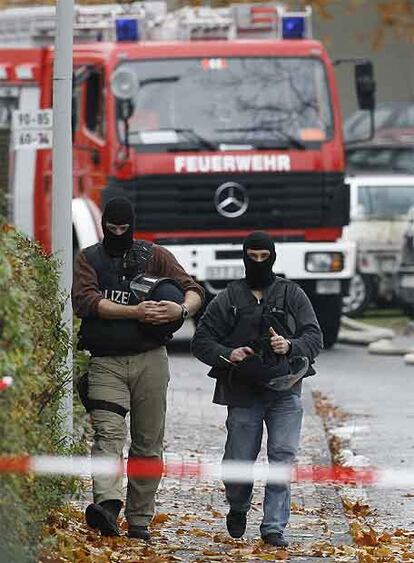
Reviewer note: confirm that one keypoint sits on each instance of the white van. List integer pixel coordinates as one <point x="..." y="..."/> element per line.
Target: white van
<point x="379" y="208"/>
<point x="405" y="277"/>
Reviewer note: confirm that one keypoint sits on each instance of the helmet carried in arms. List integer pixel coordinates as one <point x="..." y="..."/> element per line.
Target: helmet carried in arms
<point x="147" y="288"/>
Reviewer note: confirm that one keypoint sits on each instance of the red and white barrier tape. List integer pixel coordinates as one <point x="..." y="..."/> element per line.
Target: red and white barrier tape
<point x="230" y="471"/>
<point x="5" y="382"/>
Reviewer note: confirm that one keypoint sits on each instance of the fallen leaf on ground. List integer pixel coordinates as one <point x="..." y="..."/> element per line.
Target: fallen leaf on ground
<point x="159" y="518"/>
<point x="214" y="512"/>
<point x="277" y="555"/>
<point x="326" y="410"/>
<point x="357" y="508"/>
<point x="322" y="549"/>
<point x="364" y="537"/>
<point x="188" y="517"/>
<point x="222" y="538"/>
<point x="199" y="533"/>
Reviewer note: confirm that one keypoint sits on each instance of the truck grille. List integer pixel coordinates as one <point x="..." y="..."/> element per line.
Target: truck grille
<point x="292" y="200"/>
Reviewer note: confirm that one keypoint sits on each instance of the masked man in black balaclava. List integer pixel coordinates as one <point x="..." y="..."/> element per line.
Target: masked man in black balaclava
<point x="260" y="335"/>
<point x="259" y="257"/>
<point x="118" y="226"/>
<point x="128" y="369"/>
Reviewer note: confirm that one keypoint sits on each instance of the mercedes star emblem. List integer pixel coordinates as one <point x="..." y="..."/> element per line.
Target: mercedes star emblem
<point x="231" y="199"/>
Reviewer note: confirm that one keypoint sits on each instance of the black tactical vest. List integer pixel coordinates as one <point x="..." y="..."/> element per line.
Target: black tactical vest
<point x="250" y="327"/>
<point x="252" y="320"/>
<point x="117" y="337"/>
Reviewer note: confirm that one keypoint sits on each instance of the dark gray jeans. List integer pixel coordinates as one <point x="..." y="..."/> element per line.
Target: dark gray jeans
<point x="283" y="419"/>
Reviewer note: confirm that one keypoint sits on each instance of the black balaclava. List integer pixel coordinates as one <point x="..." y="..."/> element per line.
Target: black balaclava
<point x="118" y="211"/>
<point x="259" y="274"/>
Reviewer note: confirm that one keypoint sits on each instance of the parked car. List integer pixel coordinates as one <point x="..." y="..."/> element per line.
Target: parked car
<point x="382" y="155"/>
<point x="379" y="208"/>
<point x="405" y="277"/>
<point x="387" y="115"/>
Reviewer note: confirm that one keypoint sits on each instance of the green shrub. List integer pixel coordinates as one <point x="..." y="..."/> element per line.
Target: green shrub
<point x="33" y="348"/>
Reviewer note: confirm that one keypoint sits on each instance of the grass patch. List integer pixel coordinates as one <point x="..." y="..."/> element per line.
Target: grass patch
<point x="386" y="318"/>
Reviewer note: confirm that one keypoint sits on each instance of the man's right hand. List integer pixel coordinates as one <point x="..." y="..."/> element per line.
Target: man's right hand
<point x="145" y="311"/>
<point x="239" y="354"/>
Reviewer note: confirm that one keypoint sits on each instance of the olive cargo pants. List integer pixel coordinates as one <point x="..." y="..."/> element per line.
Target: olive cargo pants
<point x="138" y="383"/>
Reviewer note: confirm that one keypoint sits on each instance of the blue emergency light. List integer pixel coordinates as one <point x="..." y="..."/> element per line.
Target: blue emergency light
<point x="293" y="27"/>
<point x="127" y="29"/>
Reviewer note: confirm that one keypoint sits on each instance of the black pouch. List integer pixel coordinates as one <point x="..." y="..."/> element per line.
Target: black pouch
<point x="280" y="377"/>
<point x="252" y="371"/>
<point x="223" y="369"/>
<point x="82" y="387"/>
<point x="219" y="372"/>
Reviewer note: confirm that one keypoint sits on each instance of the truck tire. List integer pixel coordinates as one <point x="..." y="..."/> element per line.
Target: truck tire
<point x="361" y="294"/>
<point x="328" y="309"/>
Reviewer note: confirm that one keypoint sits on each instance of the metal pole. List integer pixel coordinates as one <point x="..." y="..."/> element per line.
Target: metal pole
<point x="62" y="175"/>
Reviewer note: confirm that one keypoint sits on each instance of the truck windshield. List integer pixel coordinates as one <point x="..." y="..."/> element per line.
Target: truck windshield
<point x="226" y="103"/>
<point x="384" y="202"/>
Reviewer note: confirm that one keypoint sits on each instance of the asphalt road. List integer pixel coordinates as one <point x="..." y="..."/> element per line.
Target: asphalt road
<point x="377" y="392"/>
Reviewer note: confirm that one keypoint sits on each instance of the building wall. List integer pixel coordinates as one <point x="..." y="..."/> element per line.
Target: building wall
<point x="351" y="34"/>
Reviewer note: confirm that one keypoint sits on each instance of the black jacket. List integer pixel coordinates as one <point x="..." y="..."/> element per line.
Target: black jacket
<point x="212" y="336"/>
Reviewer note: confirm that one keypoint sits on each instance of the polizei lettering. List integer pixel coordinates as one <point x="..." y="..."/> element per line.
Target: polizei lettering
<point x="232" y="163"/>
<point x="117" y="296"/>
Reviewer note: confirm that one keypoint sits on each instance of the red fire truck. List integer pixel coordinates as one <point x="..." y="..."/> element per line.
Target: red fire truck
<point x="213" y="122"/>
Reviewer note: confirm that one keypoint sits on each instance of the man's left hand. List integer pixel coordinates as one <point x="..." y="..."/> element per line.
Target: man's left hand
<point x="165" y="312"/>
<point x="279" y="344"/>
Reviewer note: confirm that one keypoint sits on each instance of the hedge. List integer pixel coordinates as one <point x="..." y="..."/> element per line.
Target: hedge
<point x="33" y="348"/>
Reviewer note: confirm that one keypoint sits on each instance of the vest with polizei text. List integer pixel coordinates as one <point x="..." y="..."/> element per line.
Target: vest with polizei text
<point x="117" y="337"/>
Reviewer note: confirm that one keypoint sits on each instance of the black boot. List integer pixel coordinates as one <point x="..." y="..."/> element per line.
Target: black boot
<point x="103" y="516"/>
<point x="236" y="523"/>
<point x="139" y="533"/>
<point x="275" y="538"/>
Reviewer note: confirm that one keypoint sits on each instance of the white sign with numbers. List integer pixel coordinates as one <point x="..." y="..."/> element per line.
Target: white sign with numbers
<point x="32" y="129"/>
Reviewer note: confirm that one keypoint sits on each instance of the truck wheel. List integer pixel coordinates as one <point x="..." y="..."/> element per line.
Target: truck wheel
<point x="361" y="294"/>
<point x="328" y="309"/>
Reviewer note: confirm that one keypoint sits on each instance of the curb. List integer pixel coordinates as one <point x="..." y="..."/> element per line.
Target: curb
<point x="358" y="337"/>
<point x="329" y="496"/>
<point x="380" y="341"/>
<point x="389" y="348"/>
<point x="409" y="359"/>
<point x="357" y="332"/>
<point x="352" y="324"/>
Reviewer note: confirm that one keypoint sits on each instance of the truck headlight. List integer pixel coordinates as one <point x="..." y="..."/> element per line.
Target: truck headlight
<point x="324" y="262"/>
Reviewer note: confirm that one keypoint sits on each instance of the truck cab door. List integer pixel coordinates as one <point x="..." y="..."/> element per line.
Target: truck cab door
<point x="8" y="102"/>
<point x="89" y="132"/>
<point x="17" y="167"/>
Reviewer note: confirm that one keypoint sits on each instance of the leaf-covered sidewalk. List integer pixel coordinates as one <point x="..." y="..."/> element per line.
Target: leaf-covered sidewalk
<point x="190" y="522"/>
